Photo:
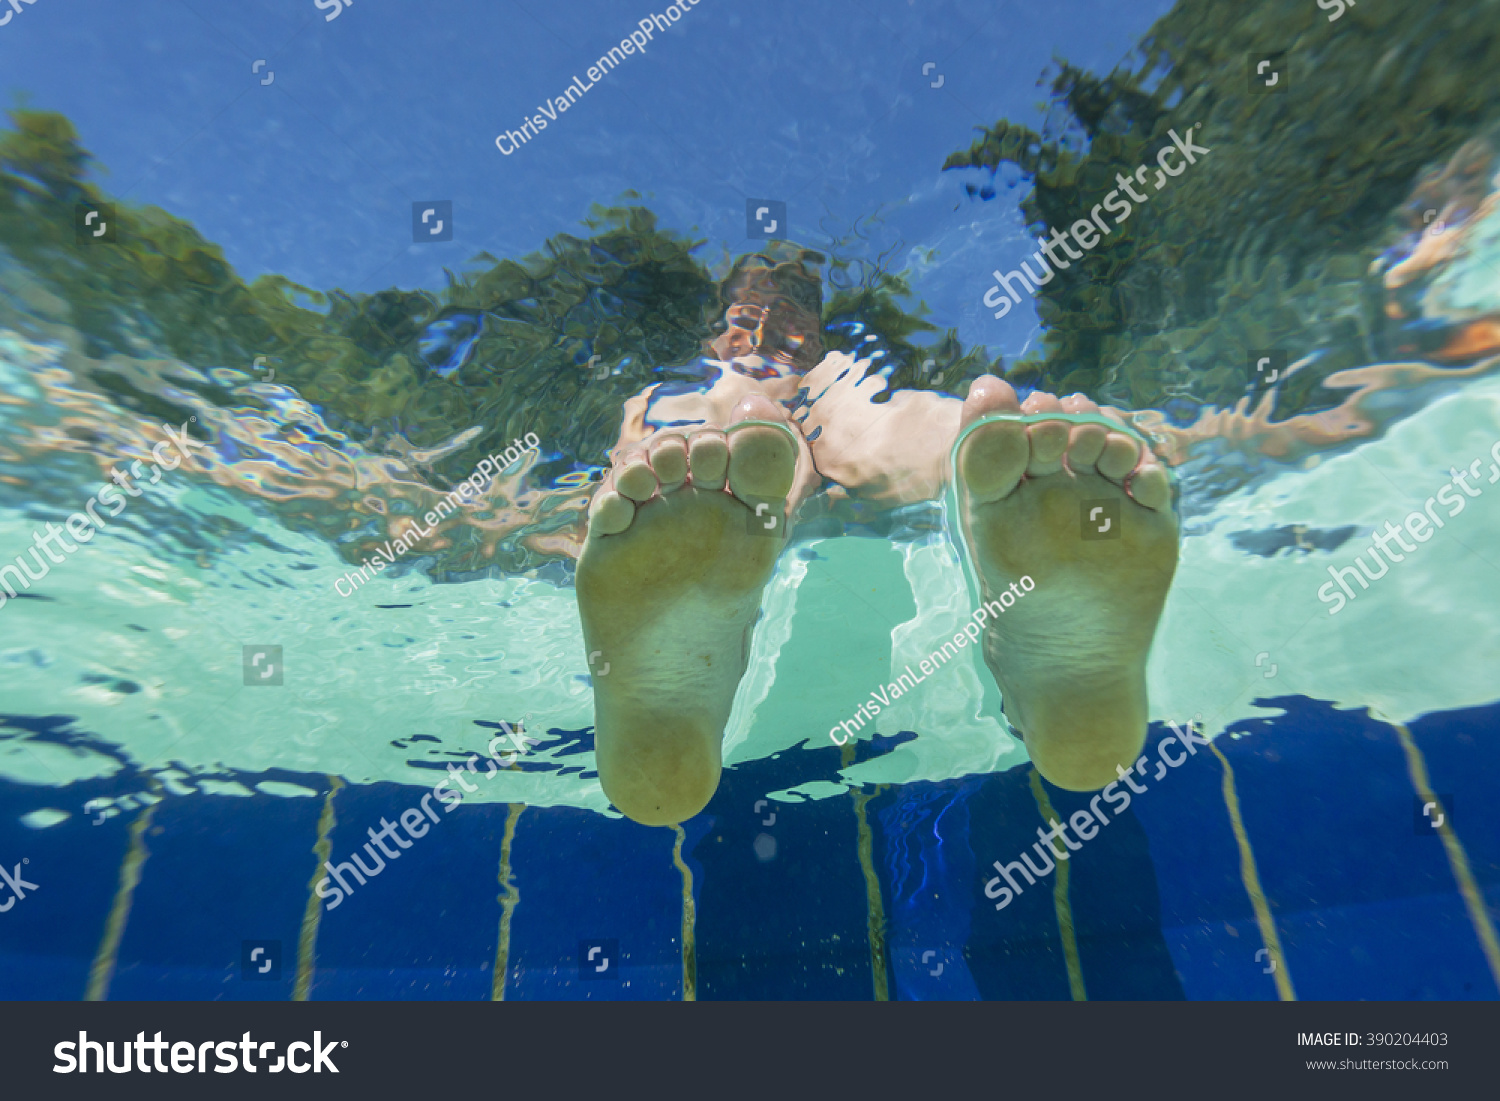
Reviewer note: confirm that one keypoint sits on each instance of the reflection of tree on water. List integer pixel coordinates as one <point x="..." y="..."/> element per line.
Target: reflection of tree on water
<point x="1269" y="240"/>
<point x="551" y="343"/>
<point x="514" y="345"/>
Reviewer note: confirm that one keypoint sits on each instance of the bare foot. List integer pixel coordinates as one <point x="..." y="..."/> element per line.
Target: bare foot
<point x="1070" y="655"/>
<point x="683" y="535"/>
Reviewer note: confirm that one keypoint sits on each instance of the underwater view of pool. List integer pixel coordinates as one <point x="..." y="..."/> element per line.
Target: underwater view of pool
<point x="860" y="501"/>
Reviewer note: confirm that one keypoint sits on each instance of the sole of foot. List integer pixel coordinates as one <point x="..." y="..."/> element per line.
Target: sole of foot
<point x="1039" y="500"/>
<point x="683" y="535"/>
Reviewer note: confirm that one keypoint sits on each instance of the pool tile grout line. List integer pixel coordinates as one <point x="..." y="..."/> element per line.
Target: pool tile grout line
<point x="1251" y="879"/>
<point x="1484" y="928"/>
<point x="876" y="925"/>
<point x="103" y="969"/>
<point x="508" y="902"/>
<point x="1061" y="902"/>
<point x="312" y="914"/>
<point x="689" y="921"/>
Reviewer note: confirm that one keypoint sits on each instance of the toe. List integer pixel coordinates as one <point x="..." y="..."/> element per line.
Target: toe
<point x="669" y="460"/>
<point x="988" y="394"/>
<point x="708" y="456"/>
<point x="1121" y="453"/>
<point x="993" y="459"/>
<point x="609" y="512"/>
<point x="634" y="477"/>
<point x="1150" y="486"/>
<point x="762" y="460"/>
<point x="1085" y="445"/>
<point x="1049" y="439"/>
<point x="1039" y="402"/>
<point x="1077" y="403"/>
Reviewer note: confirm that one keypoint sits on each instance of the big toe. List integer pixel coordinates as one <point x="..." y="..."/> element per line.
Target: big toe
<point x="762" y="458"/>
<point x="993" y="459"/>
<point x="988" y="394"/>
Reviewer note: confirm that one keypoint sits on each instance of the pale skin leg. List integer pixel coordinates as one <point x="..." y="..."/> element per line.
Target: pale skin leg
<point x="669" y="582"/>
<point x="670" y="578"/>
<point x="669" y="587"/>
<point x="1070" y="656"/>
<point x="887" y="453"/>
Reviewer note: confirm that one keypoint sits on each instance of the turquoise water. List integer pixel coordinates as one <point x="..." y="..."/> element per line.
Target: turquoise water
<point x="199" y="692"/>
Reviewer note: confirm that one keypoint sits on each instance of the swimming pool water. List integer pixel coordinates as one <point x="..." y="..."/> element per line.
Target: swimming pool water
<point x="196" y="718"/>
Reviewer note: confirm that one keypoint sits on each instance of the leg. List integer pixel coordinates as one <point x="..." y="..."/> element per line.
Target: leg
<point x="669" y="587"/>
<point x="1069" y="656"/>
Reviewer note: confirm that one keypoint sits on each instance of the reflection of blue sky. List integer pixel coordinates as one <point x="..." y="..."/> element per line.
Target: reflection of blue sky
<point x="313" y="176"/>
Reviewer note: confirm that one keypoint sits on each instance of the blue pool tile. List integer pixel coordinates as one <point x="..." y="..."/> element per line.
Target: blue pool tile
<point x="220" y="871"/>
<point x="1210" y="930"/>
<point x="585" y="882"/>
<point x="426" y="925"/>
<point x="790" y="922"/>
<point x="1017" y="952"/>
<point x="48" y="939"/>
<point x="1116" y="905"/>
<point x="1417" y="948"/>
<point x="927" y="873"/>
